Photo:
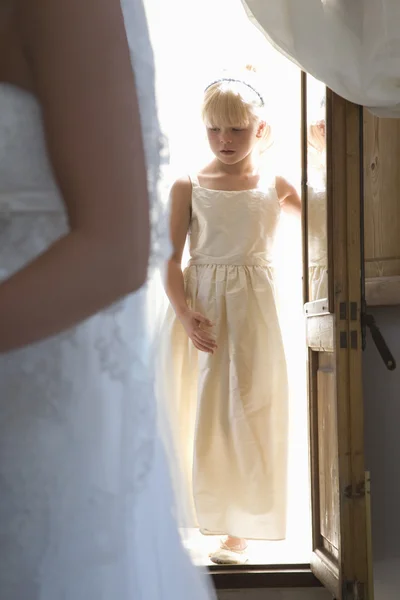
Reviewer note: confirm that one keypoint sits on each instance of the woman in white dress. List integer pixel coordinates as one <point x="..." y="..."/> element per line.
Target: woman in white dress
<point x="85" y="497"/>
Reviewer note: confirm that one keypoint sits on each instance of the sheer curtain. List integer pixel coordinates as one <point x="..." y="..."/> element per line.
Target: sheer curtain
<point x="353" y="46"/>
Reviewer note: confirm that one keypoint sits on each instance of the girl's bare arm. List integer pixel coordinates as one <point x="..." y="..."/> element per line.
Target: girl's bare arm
<point x="180" y="204"/>
<point x="288" y="197"/>
<point x="196" y="325"/>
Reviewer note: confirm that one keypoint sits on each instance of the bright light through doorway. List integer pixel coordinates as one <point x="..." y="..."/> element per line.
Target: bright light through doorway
<point x="194" y="40"/>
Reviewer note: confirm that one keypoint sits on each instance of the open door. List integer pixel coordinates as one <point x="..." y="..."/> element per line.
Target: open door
<point x="332" y="289"/>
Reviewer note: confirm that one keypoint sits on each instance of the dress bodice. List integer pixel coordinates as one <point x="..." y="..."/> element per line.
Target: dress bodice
<point x="233" y="227"/>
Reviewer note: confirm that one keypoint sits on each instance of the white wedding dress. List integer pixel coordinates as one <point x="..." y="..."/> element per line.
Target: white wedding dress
<point x="86" y="506"/>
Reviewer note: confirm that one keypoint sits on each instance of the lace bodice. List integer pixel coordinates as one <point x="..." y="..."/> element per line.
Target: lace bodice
<point x="26" y="180"/>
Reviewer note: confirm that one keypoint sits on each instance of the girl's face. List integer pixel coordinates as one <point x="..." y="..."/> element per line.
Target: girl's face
<point x="231" y="145"/>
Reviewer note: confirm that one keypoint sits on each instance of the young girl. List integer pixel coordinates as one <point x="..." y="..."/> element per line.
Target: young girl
<point x="228" y="362"/>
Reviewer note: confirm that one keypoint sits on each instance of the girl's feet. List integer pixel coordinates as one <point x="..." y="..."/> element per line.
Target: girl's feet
<point x="231" y="552"/>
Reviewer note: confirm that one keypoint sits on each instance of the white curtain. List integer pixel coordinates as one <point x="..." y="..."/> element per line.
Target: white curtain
<point x="353" y="46"/>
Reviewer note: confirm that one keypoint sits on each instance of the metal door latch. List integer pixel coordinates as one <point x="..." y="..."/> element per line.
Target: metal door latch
<point x="379" y="341"/>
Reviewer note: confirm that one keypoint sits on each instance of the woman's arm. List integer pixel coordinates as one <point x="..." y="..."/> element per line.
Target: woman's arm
<point x="289" y="199"/>
<point x="80" y="63"/>
<point x="180" y="203"/>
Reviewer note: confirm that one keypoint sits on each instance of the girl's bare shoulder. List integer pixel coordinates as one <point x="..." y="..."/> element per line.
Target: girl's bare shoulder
<point x="181" y="192"/>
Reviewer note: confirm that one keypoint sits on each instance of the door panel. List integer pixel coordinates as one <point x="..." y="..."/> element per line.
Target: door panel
<point x="327" y="452"/>
<point x="358" y="515"/>
<point x="339" y="558"/>
<point x="382" y="209"/>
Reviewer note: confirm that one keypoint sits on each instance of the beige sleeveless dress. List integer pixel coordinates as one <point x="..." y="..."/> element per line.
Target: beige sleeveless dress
<point x="232" y="407"/>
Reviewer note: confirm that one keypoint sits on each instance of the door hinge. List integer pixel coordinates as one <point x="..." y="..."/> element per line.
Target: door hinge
<point x="343" y="339"/>
<point x="353" y="311"/>
<point x="354" y="340"/>
<point x="353" y="493"/>
<point x="343" y="311"/>
<point x="354" y="590"/>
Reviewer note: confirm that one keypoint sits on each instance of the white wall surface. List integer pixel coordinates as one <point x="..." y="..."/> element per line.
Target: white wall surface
<point x="275" y="594"/>
<point x="382" y="432"/>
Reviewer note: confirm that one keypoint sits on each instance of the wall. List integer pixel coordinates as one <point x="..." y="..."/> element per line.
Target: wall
<point x="382" y="433"/>
<point x="299" y="594"/>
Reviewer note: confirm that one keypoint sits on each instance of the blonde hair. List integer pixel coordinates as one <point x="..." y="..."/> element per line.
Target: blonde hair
<point x="232" y="103"/>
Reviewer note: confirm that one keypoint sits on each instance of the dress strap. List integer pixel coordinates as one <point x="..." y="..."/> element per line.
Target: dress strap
<point x="267" y="181"/>
<point x="194" y="179"/>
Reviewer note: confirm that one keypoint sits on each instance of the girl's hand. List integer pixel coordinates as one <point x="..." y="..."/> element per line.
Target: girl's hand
<point x="195" y="325"/>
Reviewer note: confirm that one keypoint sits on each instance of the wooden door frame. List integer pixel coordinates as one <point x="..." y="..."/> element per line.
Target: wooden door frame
<point x="344" y="185"/>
